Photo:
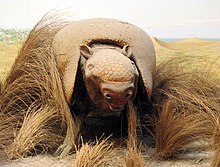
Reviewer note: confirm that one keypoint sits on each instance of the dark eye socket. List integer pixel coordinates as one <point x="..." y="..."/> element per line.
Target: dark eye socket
<point x="134" y="65"/>
<point x="90" y="66"/>
<point x="127" y="95"/>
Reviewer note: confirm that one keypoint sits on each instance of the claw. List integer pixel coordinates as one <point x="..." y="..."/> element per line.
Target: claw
<point x="69" y="141"/>
<point x="72" y="134"/>
<point x="63" y="150"/>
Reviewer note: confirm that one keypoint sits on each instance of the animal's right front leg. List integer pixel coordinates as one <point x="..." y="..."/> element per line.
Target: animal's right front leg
<point x="73" y="129"/>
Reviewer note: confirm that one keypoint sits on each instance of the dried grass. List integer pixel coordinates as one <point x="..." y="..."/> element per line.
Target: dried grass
<point x="186" y="101"/>
<point x="94" y="155"/>
<point x="6" y="131"/>
<point x="1" y="88"/>
<point x="216" y="144"/>
<point x="176" y="130"/>
<point x="133" y="156"/>
<point x="34" y="112"/>
<point x="32" y="89"/>
<point x="35" y="138"/>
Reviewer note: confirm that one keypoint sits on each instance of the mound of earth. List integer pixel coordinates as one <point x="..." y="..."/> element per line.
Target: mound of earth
<point x="183" y="44"/>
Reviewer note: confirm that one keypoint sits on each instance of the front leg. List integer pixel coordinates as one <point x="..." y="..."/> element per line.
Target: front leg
<point x="74" y="120"/>
<point x="72" y="135"/>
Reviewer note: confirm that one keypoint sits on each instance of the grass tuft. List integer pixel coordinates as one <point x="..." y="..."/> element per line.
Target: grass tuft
<point x="94" y="154"/>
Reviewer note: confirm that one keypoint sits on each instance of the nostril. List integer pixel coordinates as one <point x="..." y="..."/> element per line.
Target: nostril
<point x="107" y="96"/>
<point x="128" y="95"/>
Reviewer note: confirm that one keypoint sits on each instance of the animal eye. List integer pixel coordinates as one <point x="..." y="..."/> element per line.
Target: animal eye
<point x="133" y="64"/>
<point x="90" y="66"/>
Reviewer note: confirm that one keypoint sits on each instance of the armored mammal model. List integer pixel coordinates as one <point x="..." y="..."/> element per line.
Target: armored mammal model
<point x="66" y="69"/>
<point x="114" y="59"/>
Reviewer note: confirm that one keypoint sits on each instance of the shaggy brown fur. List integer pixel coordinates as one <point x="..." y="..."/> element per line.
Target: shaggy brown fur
<point x="133" y="157"/>
<point x="32" y="94"/>
<point x="216" y="145"/>
<point x="186" y="102"/>
<point x="33" y="107"/>
<point x="28" y="140"/>
<point x="1" y="87"/>
<point x="176" y="130"/>
<point x="33" y="110"/>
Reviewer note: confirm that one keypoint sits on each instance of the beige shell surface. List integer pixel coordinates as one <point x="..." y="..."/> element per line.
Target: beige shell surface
<point x="67" y="41"/>
<point x="112" y="67"/>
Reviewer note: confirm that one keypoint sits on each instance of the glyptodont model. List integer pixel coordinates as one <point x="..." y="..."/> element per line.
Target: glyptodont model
<point x="104" y="63"/>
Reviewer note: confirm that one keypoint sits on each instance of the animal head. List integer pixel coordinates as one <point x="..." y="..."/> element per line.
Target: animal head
<point x="110" y="75"/>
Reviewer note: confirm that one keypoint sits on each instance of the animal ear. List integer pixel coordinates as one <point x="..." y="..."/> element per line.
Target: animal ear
<point x="86" y="51"/>
<point x="127" y="51"/>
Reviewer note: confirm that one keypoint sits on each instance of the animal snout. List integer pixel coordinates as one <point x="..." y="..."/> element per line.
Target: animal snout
<point x="117" y="98"/>
<point x="109" y="94"/>
<point x="117" y="94"/>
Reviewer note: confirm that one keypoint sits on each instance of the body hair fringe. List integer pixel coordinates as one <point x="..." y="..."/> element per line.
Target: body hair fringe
<point x="186" y="102"/>
<point x="33" y="83"/>
<point x="33" y="109"/>
<point x="215" y="161"/>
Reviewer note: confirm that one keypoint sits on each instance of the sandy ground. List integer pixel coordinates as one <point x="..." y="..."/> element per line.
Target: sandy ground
<point x="195" y="159"/>
<point x="195" y="155"/>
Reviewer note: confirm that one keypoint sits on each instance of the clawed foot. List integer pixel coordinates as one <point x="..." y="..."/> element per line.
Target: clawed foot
<point x="68" y="144"/>
<point x="63" y="150"/>
<point x="71" y="136"/>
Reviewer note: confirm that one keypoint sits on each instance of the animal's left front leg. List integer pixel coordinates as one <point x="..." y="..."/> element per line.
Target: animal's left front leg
<point x="73" y="129"/>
